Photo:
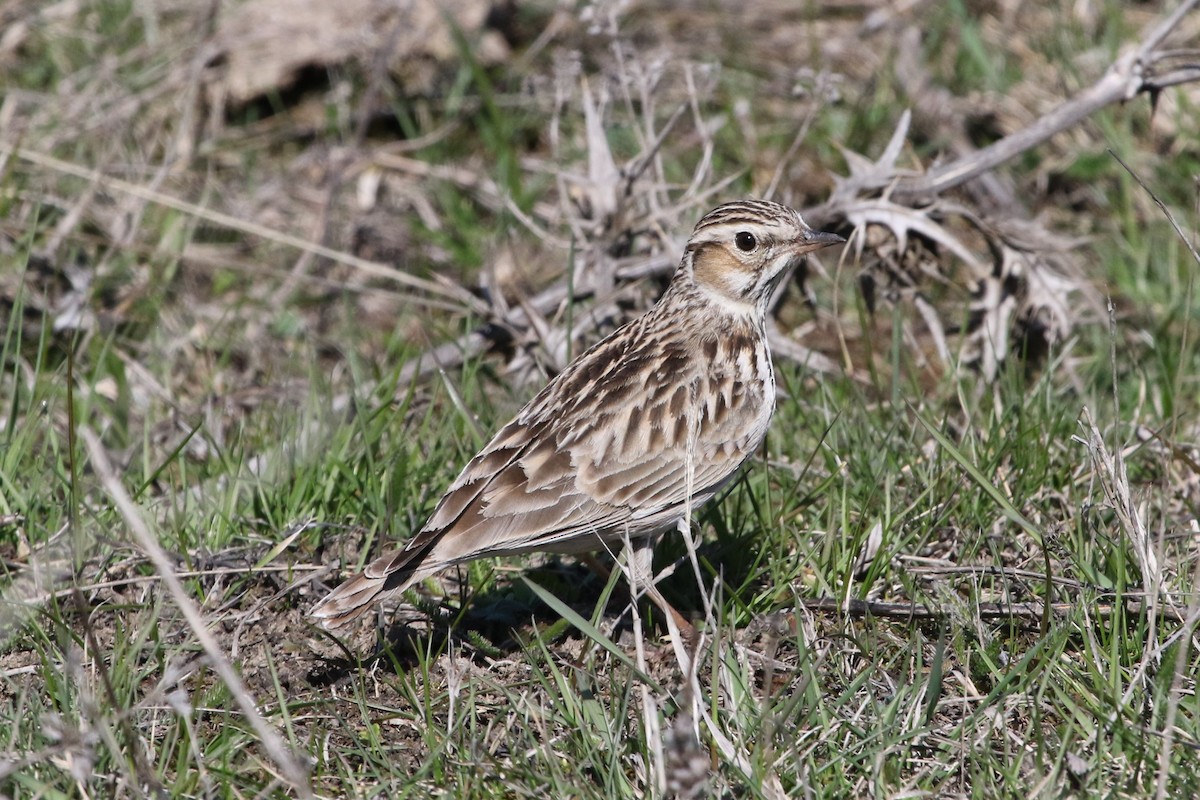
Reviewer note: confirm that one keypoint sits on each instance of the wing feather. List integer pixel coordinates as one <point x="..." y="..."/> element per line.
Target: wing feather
<point x="617" y="463"/>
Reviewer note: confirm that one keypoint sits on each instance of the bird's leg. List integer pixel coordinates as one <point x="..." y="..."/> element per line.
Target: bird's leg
<point x="639" y="571"/>
<point x="644" y="577"/>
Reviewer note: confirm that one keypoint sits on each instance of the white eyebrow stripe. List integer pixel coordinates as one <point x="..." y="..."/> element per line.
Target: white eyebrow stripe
<point x="725" y="233"/>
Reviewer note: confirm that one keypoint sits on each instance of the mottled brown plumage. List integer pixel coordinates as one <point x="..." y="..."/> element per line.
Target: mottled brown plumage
<point x="646" y="425"/>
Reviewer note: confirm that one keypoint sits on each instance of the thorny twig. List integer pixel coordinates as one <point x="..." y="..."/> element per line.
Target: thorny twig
<point x="1131" y="74"/>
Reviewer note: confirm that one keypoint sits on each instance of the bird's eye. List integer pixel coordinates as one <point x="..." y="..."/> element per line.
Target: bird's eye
<point x="745" y="241"/>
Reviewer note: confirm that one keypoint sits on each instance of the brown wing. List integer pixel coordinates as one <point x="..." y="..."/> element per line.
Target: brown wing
<point x="614" y="460"/>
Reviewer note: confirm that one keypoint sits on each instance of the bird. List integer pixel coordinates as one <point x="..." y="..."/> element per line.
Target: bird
<point x="633" y="434"/>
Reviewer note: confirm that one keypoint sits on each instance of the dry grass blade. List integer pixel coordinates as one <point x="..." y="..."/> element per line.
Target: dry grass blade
<point x="1109" y="469"/>
<point x="603" y="175"/>
<point x="285" y="759"/>
<point x="437" y="288"/>
<point x="1161" y="206"/>
<point x="1179" y="676"/>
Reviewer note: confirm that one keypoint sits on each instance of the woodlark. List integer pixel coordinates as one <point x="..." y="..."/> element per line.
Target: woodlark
<point x="635" y="433"/>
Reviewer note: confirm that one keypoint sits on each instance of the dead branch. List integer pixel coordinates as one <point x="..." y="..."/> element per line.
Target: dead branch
<point x="1133" y="73"/>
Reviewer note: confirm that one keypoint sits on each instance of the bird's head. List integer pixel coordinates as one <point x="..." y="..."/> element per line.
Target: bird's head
<point x="739" y="251"/>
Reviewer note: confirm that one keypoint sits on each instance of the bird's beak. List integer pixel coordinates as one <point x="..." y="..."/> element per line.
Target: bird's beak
<point x="815" y="240"/>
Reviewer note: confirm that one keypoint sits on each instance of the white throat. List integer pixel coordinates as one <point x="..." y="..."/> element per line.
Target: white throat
<point x="732" y="306"/>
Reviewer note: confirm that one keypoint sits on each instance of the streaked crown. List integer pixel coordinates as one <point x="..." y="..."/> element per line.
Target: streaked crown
<point x="739" y="251"/>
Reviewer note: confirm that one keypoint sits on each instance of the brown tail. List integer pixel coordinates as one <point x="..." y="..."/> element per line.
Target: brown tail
<point x="384" y="577"/>
<point x="351" y="600"/>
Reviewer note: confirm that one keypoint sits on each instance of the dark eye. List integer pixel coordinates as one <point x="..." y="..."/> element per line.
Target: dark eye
<point x="745" y="241"/>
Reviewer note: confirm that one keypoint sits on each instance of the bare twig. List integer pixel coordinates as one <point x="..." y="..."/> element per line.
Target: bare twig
<point x="1130" y="75"/>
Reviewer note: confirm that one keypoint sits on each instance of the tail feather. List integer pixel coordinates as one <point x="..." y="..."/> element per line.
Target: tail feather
<point x="383" y="578"/>
<point x="352" y="599"/>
